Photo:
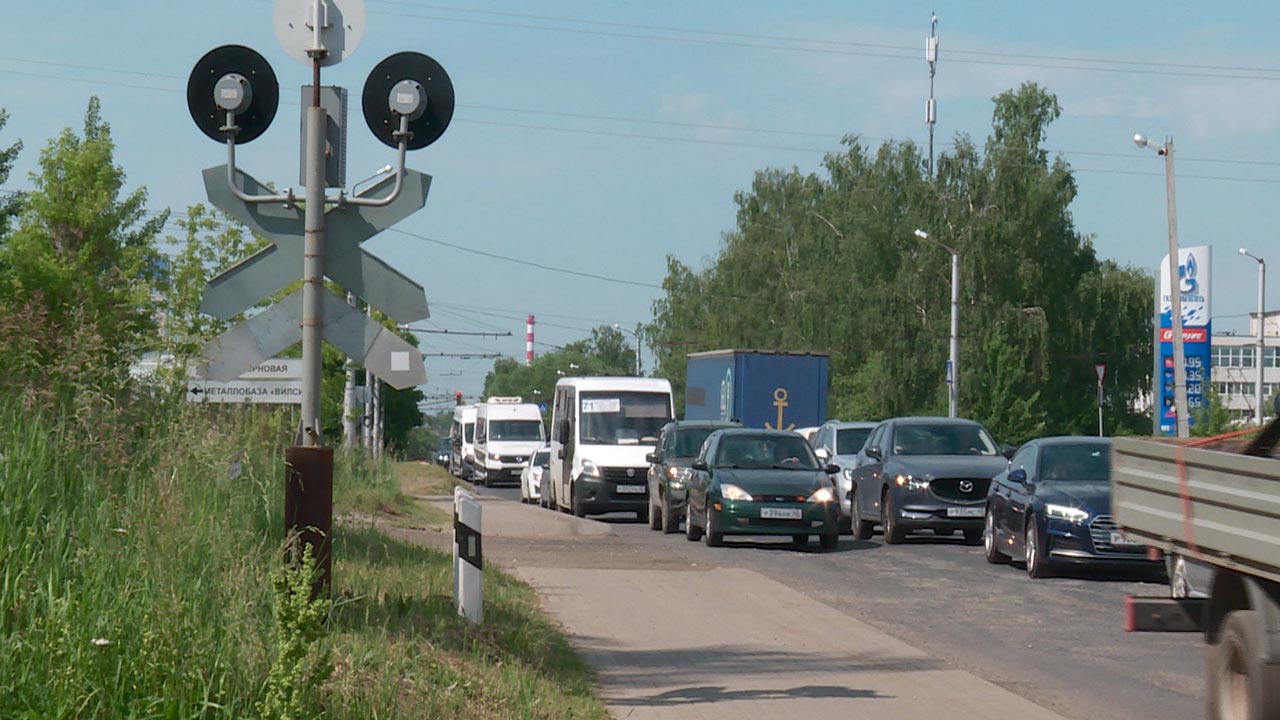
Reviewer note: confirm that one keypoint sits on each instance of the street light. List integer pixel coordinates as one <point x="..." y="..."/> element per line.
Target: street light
<point x="1175" y="291"/>
<point x="953" y="385"/>
<point x="1262" y="291"/>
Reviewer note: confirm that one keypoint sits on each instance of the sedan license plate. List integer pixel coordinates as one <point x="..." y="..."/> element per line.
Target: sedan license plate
<point x="632" y="489"/>
<point x="966" y="512"/>
<point x="780" y="513"/>
<point x="1118" y="538"/>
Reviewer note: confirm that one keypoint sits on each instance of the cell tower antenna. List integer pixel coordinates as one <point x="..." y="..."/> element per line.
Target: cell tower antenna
<point x="931" y="107"/>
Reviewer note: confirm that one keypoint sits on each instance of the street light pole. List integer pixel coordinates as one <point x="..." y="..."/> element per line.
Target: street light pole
<point x="1175" y="288"/>
<point x="953" y="388"/>
<point x="1258" y="412"/>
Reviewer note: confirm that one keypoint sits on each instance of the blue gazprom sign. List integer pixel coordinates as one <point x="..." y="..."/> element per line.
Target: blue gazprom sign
<point x="1194" y="275"/>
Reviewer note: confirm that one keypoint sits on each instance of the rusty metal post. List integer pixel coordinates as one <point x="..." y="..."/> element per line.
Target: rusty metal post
<point x="308" y="506"/>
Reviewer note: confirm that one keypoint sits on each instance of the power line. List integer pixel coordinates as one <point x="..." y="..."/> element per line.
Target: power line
<point x="527" y="263"/>
<point x="431" y="331"/>
<point x="832" y="43"/>
<point x="882" y="51"/>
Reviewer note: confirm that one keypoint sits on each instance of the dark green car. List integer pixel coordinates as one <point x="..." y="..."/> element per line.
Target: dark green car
<point x="760" y="482"/>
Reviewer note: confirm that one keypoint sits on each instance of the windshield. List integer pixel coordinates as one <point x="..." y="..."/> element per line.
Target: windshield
<point x="624" y="418"/>
<point x="1075" y="463"/>
<point x="443" y="445"/>
<point x="688" y="443"/>
<point x="850" y="440"/>
<point x="514" y="430"/>
<point x="948" y="439"/>
<point x="469" y="432"/>
<point x="755" y="452"/>
<point x="542" y="458"/>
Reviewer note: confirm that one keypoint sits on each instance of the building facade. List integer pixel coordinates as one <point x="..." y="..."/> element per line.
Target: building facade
<point x="1235" y="372"/>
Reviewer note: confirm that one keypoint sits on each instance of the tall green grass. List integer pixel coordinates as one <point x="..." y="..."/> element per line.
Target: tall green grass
<point x="135" y="581"/>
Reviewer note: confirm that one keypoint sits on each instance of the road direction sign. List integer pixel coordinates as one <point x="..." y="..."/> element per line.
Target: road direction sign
<point x="276" y="392"/>
<point x="346" y="263"/>
<point x="254" y="341"/>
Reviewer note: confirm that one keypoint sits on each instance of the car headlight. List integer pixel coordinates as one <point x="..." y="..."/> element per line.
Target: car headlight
<point x="678" y="477"/>
<point x="591" y="470"/>
<point x="1066" y="512"/>
<point x="495" y="456"/>
<point x="733" y="492"/>
<point x="673" y="472"/>
<point x="822" y="495"/>
<point x="911" y="482"/>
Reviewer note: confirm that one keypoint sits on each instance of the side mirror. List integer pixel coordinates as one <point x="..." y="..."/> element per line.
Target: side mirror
<point x="1018" y="476"/>
<point x="832" y="469"/>
<point x="1008" y="451"/>
<point x="652" y="458"/>
<point x="823" y="454"/>
<point x="874" y="453"/>
<point x="560" y="454"/>
<point x="700" y="466"/>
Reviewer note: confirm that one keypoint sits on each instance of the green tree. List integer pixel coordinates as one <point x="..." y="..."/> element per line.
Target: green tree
<point x="83" y="255"/>
<point x="10" y="202"/>
<point x="1213" y="418"/>
<point x="829" y="262"/>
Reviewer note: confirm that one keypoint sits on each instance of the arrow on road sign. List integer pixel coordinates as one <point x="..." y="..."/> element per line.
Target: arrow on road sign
<point x="346" y="263"/>
<point x="257" y="339"/>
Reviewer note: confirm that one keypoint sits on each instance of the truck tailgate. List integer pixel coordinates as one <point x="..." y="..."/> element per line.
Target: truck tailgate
<point x="1220" y="506"/>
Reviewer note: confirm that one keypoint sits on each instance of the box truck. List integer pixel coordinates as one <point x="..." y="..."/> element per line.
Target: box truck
<point x="771" y="389"/>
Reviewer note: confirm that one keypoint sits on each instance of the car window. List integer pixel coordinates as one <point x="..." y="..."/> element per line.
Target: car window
<point x="1024" y="459"/>
<point x="766" y="451"/>
<point x="1085" y="462"/>
<point x="850" y="440"/>
<point x="688" y="441"/>
<point x="943" y="439"/>
<point x="542" y="458"/>
<point x="877" y="436"/>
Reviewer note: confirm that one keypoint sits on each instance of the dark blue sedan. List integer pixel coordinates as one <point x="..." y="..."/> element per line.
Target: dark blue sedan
<point x="1052" y="506"/>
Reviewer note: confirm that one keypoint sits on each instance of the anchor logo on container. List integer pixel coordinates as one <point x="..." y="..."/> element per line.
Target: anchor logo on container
<point x="780" y="402"/>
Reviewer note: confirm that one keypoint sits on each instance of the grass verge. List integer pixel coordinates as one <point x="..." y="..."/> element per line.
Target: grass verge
<point x="140" y="546"/>
<point x="420" y="480"/>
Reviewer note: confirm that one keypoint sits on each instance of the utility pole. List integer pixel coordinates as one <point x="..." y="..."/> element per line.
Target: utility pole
<point x="1259" y="412"/>
<point x="953" y="363"/>
<point x="931" y="107"/>
<point x="1181" y="413"/>
<point x="639" y="329"/>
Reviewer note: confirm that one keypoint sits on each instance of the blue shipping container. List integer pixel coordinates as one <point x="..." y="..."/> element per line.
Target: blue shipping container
<point x="760" y="388"/>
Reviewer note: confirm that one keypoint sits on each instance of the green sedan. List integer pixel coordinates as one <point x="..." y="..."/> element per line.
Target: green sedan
<point x="760" y="482"/>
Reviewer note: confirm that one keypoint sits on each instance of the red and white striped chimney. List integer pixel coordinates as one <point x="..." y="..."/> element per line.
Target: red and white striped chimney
<point x="528" y="340"/>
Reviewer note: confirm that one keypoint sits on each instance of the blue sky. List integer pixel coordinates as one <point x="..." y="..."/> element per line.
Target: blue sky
<point x="523" y="173"/>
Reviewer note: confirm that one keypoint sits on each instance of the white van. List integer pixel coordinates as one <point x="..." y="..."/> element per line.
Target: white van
<point x="462" y="437"/>
<point x="602" y="428"/>
<point x="508" y="431"/>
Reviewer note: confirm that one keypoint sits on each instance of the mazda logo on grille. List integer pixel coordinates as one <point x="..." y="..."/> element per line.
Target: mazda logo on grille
<point x="631" y="472"/>
<point x="966" y="486"/>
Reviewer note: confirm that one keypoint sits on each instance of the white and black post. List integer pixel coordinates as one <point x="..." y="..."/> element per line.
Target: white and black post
<point x="468" y="556"/>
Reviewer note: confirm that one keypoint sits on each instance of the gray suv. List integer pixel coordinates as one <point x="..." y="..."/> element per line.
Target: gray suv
<point x="678" y="446"/>
<point x="838" y="443"/>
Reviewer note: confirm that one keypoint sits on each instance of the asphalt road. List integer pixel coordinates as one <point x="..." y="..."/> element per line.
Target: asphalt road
<point x="1058" y="642"/>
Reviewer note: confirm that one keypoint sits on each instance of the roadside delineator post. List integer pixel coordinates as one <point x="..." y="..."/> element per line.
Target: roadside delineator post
<point x="468" y="556"/>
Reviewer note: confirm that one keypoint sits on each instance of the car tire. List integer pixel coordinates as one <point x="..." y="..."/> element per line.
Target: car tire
<point x="670" y="521"/>
<point x="799" y="542"/>
<point x="862" y="530"/>
<point x="973" y="536"/>
<point x="894" y="534"/>
<point x="644" y="515"/>
<point x="575" y="502"/>
<point x="1239" y="684"/>
<point x="1037" y="564"/>
<point x="846" y="526"/>
<point x="655" y="517"/>
<point x="691" y="532"/>
<point x="829" y="542"/>
<point x="991" y="542"/>
<point x="713" y="537"/>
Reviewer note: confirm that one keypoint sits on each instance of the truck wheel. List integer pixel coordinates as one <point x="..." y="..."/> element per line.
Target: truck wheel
<point x="991" y="544"/>
<point x="1239" y="685"/>
<point x="894" y="534"/>
<point x="575" y="499"/>
<point x="670" y="521"/>
<point x="1037" y="563"/>
<point x="862" y="530"/>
